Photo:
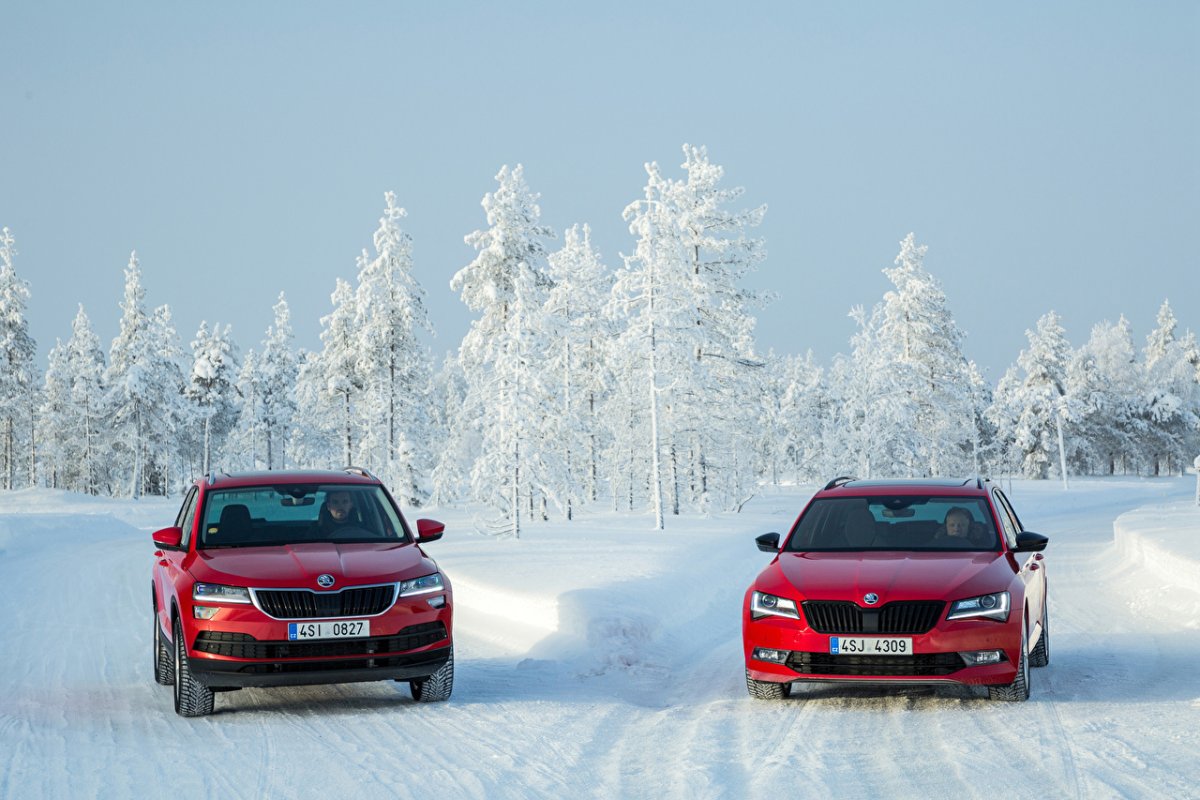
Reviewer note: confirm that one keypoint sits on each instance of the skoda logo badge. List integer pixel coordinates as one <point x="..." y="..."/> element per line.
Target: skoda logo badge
<point x="325" y="581"/>
<point x="870" y="598"/>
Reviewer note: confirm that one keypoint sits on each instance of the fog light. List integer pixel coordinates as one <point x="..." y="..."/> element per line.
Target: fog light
<point x="204" y="612"/>
<point x="437" y="602"/>
<point x="773" y="656"/>
<point x="981" y="657"/>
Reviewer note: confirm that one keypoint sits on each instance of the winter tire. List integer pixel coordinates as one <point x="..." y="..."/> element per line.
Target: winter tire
<point x="1040" y="656"/>
<point x="164" y="661"/>
<point x="192" y="698"/>
<point x="767" y="690"/>
<point x="436" y="687"/>
<point x="1018" y="690"/>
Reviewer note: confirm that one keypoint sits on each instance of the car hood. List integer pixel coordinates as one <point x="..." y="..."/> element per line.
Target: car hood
<point x="297" y="566"/>
<point x="893" y="575"/>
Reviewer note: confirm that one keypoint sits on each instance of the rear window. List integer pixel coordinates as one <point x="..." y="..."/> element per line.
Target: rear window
<point x="272" y="515"/>
<point x="895" y="523"/>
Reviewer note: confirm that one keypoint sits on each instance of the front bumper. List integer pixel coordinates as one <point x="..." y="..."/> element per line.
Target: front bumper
<point x="935" y="658"/>
<point x="241" y="646"/>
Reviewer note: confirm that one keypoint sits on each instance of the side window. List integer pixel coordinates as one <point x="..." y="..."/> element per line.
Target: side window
<point x="188" y="498"/>
<point x="1007" y="520"/>
<point x="187" y="516"/>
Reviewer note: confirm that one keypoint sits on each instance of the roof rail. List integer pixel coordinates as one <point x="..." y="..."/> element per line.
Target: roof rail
<point x="360" y="471"/>
<point x="211" y="478"/>
<point x="839" y="481"/>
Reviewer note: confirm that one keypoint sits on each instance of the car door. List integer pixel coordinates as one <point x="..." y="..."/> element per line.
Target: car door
<point x="168" y="561"/>
<point x="1032" y="570"/>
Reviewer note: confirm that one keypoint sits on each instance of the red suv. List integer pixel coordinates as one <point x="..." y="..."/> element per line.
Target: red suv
<point x="900" y="582"/>
<point x="292" y="578"/>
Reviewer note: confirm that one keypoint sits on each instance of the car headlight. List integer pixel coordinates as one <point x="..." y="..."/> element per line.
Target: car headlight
<point x="768" y="605"/>
<point x="423" y="585"/>
<point x="216" y="593"/>
<point x="986" y="606"/>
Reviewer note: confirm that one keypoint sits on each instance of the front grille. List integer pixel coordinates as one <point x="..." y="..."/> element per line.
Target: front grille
<point x="241" y="645"/>
<point x="904" y="617"/>
<point x="878" y="666"/>
<point x="358" y="601"/>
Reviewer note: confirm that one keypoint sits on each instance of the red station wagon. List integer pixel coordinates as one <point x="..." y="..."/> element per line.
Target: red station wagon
<point x="900" y="582"/>
<point x="293" y="578"/>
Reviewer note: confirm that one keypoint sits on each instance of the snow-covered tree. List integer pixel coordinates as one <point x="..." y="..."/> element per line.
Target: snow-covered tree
<point x="574" y="320"/>
<point x="55" y="420"/>
<point x="393" y="364"/>
<point x="919" y="405"/>
<point x="1030" y="405"/>
<point x="145" y="387"/>
<point x="210" y="389"/>
<point x="18" y="374"/>
<point x="686" y="349"/>
<point x="450" y="479"/>
<point x="1171" y="402"/>
<point x="326" y="427"/>
<point x="245" y="447"/>
<point x="500" y="356"/>
<point x="794" y="409"/>
<point x="275" y="386"/>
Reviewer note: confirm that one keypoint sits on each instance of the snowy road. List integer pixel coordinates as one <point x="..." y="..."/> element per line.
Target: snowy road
<point x="603" y="661"/>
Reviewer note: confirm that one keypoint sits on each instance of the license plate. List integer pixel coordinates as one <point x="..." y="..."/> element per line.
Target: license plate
<point x="342" y="629"/>
<point x="870" y="646"/>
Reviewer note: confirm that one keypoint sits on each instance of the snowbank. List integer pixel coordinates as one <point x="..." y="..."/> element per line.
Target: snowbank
<point x="1164" y="540"/>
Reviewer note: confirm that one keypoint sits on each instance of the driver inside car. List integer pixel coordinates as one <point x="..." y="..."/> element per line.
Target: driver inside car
<point x="338" y="512"/>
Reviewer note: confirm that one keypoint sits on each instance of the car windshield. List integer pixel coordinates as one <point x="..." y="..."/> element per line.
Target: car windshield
<point x="273" y="515"/>
<point x="902" y="522"/>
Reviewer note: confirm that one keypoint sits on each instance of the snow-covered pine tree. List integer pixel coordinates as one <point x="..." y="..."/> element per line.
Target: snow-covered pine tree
<point x="275" y="386"/>
<point x="329" y="389"/>
<point x="920" y="399"/>
<point x="394" y="366"/>
<point x="1029" y="408"/>
<point x="90" y="431"/>
<point x="802" y="406"/>
<point x="54" y="422"/>
<point x="210" y="389"/>
<point x="244" y="447"/>
<point x="1104" y="381"/>
<point x="144" y="388"/>
<point x="727" y="370"/>
<point x="168" y="412"/>
<point x="576" y="325"/>
<point x="18" y="373"/>
<point x="1172" y="401"/>
<point x="687" y="347"/>
<point x="449" y="429"/>
<point x="502" y="352"/>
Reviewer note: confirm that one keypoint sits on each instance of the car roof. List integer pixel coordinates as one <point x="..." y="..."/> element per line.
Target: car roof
<point x="228" y="480"/>
<point x="847" y="486"/>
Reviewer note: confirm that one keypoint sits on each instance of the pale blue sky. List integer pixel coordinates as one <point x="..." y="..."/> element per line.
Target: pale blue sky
<point x="1047" y="153"/>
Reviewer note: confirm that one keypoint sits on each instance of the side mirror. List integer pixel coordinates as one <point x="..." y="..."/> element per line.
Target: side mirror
<point x="768" y="542"/>
<point x="168" y="537"/>
<point x="1030" y="542"/>
<point x="429" y="530"/>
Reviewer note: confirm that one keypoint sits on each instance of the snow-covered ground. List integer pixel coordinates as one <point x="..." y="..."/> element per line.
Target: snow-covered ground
<point x="602" y="659"/>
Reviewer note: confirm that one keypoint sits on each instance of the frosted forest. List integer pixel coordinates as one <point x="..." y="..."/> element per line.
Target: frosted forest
<point x="629" y="385"/>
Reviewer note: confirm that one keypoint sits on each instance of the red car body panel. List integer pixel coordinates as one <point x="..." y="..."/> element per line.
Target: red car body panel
<point x="895" y="576"/>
